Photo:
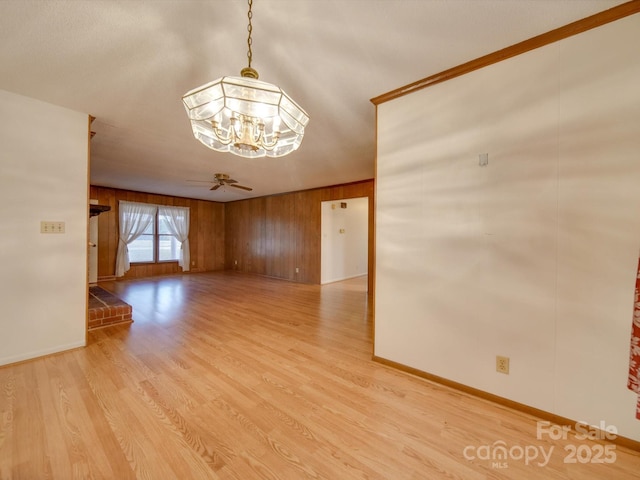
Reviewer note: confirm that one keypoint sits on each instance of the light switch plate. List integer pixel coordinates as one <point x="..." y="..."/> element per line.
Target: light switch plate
<point x="51" y="227"/>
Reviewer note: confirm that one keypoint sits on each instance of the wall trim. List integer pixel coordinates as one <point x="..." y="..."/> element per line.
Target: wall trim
<point x="569" y="30"/>
<point x="342" y="279"/>
<point x="28" y="356"/>
<point x="337" y="185"/>
<point x="502" y="401"/>
<point x="90" y="120"/>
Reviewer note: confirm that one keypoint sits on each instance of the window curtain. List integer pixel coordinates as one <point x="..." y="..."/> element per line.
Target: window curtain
<point x="134" y="219"/>
<point x="634" y="353"/>
<point x="177" y="222"/>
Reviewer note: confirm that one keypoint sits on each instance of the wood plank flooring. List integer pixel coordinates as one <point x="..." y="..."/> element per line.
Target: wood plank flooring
<point x="232" y="376"/>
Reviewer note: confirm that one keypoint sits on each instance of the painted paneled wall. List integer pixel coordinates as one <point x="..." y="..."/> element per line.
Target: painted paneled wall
<point x="278" y="234"/>
<point x="44" y="162"/>
<point x="532" y="256"/>
<point x="206" y="233"/>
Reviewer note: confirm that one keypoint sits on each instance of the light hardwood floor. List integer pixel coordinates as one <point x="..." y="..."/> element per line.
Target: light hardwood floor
<point x="233" y="376"/>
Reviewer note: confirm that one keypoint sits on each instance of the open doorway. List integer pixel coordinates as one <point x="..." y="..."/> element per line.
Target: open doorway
<point x="345" y="233"/>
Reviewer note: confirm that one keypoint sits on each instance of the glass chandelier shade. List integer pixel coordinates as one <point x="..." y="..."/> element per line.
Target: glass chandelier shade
<point x="245" y="116"/>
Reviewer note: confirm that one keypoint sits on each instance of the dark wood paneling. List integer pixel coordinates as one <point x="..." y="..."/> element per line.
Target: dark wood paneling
<point x="308" y="219"/>
<point x="278" y="234"/>
<point x="270" y="236"/>
<point x="256" y="249"/>
<point x="206" y="233"/>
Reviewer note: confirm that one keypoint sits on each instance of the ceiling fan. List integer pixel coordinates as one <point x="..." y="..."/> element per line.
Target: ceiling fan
<point x="222" y="179"/>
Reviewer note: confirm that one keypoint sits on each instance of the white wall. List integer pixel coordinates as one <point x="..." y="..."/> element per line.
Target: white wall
<point x="43" y="160"/>
<point x="532" y="256"/>
<point x="344" y="254"/>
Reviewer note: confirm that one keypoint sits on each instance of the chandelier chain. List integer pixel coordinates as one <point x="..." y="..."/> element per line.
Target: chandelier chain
<point x="250" y="30"/>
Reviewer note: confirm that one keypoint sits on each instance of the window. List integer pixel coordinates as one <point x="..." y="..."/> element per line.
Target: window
<point x="142" y="249"/>
<point x="168" y="244"/>
<point x="156" y="243"/>
<point x="152" y="233"/>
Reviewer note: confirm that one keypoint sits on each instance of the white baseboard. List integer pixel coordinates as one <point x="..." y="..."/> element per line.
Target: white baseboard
<point x="343" y="278"/>
<point x="41" y="353"/>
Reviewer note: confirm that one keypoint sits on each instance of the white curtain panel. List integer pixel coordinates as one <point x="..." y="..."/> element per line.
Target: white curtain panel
<point x="177" y="221"/>
<point x="134" y="219"/>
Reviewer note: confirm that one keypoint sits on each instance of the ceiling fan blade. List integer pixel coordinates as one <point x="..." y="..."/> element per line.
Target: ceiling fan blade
<point x="215" y="187"/>
<point x="248" y="189"/>
<point x="230" y="181"/>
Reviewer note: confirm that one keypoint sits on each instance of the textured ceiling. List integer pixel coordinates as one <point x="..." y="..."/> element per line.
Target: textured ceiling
<point x="129" y="62"/>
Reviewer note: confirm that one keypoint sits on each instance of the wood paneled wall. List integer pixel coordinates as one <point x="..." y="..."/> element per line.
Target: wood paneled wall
<point x="206" y="233"/>
<point x="274" y="235"/>
<point x="269" y="236"/>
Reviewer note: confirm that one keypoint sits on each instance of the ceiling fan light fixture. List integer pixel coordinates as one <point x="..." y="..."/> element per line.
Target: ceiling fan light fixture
<point x="222" y="179"/>
<point x="245" y="116"/>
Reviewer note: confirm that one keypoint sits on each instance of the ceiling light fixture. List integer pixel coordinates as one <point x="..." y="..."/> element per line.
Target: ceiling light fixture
<point x="244" y="115"/>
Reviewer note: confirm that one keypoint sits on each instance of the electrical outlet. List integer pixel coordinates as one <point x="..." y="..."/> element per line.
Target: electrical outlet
<point x="502" y="364"/>
<point x="297" y="270"/>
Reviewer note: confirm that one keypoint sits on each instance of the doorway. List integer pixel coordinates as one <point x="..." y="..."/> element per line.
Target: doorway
<point x="345" y="233"/>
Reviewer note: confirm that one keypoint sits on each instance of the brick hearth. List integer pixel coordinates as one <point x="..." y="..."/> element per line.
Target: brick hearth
<point x="106" y="309"/>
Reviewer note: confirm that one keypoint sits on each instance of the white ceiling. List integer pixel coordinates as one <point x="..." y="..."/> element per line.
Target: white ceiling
<point x="129" y="62"/>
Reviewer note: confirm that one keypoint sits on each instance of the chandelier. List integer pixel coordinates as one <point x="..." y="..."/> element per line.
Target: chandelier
<point x="245" y="116"/>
